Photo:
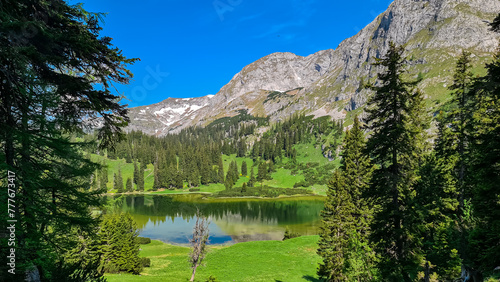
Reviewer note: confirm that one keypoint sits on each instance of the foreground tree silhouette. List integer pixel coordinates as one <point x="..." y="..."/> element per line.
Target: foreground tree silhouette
<point x="51" y="59"/>
<point x="198" y="242"/>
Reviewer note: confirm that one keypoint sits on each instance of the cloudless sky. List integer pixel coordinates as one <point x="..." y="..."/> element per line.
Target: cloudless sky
<point x="191" y="48"/>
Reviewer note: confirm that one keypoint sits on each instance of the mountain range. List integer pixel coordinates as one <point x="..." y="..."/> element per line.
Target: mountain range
<point x="328" y="82"/>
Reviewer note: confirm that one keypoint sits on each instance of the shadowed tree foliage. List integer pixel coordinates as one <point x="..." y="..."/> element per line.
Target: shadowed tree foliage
<point x="485" y="237"/>
<point x="345" y="229"/>
<point x="51" y="60"/>
<point x="396" y="146"/>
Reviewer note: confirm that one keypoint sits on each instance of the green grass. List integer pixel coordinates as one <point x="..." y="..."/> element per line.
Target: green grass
<point x="282" y="178"/>
<point x="290" y="260"/>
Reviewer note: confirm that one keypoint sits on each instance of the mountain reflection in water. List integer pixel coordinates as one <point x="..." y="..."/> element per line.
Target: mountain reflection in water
<point x="170" y="218"/>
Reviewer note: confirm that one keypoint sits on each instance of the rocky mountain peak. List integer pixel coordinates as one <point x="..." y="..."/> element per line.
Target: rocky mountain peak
<point x="434" y="32"/>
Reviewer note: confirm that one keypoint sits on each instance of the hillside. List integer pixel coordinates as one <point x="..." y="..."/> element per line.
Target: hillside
<point x="434" y="33"/>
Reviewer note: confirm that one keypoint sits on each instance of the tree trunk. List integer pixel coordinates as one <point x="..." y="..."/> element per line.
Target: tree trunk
<point x="194" y="272"/>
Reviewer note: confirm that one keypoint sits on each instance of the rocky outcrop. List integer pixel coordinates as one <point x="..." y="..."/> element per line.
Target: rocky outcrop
<point x="328" y="82"/>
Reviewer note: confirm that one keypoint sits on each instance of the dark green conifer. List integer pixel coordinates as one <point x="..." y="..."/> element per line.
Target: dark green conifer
<point x="395" y="145"/>
<point x="337" y="223"/>
<point x="244" y="169"/>
<point x="140" y="179"/>
<point x="120" y="248"/>
<point x="129" y="186"/>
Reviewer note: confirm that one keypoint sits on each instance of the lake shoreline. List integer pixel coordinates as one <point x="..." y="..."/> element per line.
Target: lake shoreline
<point x="212" y="198"/>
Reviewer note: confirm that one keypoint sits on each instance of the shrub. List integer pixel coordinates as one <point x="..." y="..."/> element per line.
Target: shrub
<point x="143" y="240"/>
<point x="289" y="234"/>
<point x="212" y="278"/>
<point x="145" y="262"/>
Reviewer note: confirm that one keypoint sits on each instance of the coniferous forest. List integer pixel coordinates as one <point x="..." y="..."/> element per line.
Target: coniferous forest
<point x="409" y="194"/>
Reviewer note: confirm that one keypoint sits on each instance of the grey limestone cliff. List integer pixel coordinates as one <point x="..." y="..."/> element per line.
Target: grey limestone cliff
<point x="434" y="32"/>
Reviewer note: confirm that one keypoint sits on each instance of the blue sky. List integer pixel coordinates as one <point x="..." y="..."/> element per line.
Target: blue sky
<point x="191" y="48"/>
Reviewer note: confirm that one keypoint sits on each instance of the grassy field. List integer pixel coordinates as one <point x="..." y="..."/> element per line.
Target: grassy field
<point x="290" y="260"/>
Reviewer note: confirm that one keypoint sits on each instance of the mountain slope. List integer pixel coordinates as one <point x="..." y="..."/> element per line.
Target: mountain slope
<point x="434" y="33"/>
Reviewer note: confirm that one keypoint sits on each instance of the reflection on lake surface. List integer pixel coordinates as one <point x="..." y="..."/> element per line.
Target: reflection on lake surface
<point x="170" y="218"/>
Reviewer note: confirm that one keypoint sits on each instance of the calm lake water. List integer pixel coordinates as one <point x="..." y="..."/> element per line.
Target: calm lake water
<point x="171" y="218"/>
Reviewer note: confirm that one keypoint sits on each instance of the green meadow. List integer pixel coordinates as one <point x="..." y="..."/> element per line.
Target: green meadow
<point x="287" y="261"/>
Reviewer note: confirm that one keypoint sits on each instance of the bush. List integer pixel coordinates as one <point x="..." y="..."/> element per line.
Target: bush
<point x="143" y="240"/>
<point x="145" y="262"/>
<point x="194" y="189"/>
<point x="289" y="234"/>
<point x="264" y="191"/>
<point x="212" y="279"/>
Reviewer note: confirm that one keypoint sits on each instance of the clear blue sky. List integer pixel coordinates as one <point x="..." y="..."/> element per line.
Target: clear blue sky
<point x="191" y="48"/>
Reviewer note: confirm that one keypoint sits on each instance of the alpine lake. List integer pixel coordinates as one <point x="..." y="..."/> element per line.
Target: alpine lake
<point x="171" y="218"/>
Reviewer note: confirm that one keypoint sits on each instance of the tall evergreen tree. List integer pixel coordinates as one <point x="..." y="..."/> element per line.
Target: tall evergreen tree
<point x="129" y="187"/>
<point x="397" y="130"/>
<point x="119" y="181"/>
<point x="140" y="176"/>
<point x="337" y="223"/>
<point x="205" y="171"/>
<point x="244" y="169"/>
<point x="453" y="149"/>
<point x="120" y="248"/>
<point x="136" y="172"/>
<point x="349" y="203"/>
<point x="262" y="171"/>
<point x="220" y="169"/>
<point x="485" y="203"/>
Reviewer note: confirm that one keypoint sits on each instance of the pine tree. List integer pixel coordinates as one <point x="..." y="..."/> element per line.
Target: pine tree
<point x="262" y="171"/>
<point x="205" y="171"/>
<point x="337" y="223"/>
<point x="244" y="169"/>
<point x="129" y="185"/>
<point x="220" y="171"/>
<point x="104" y="177"/>
<point x="136" y="172"/>
<point x="453" y="151"/>
<point x="119" y="181"/>
<point x="120" y="248"/>
<point x="485" y="204"/>
<point x="252" y="178"/>
<point x="348" y="202"/>
<point x="140" y="176"/>
<point x="395" y="146"/>
<point x="156" y="183"/>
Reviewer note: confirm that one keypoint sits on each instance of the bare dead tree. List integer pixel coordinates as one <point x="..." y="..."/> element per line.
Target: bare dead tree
<point x="198" y="242"/>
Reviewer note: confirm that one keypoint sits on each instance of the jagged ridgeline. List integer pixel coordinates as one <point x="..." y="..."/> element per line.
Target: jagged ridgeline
<point x="328" y="82"/>
<point x="230" y="152"/>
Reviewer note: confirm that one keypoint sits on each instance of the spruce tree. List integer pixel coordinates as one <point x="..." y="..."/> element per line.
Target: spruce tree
<point x="140" y="176"/>
<point x="262" y="171"/>
<point x="348" y="202"/>
<point x="244" y="169"/>
<point x="453" y="150"/>
<point x="119" y="181"/>
<point x="205" y="171"/>
<point x="136" y="172"/>
<point x="252" y="180"/>
<point x="156" y="183"/>
<point x="336" y="225"/>
<point x="129" y="186"/>
<point x="485" y="203"/>
<point x="395" y="146"/>
<point x="120" y="248"/>
<point x="220" y="169"/>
